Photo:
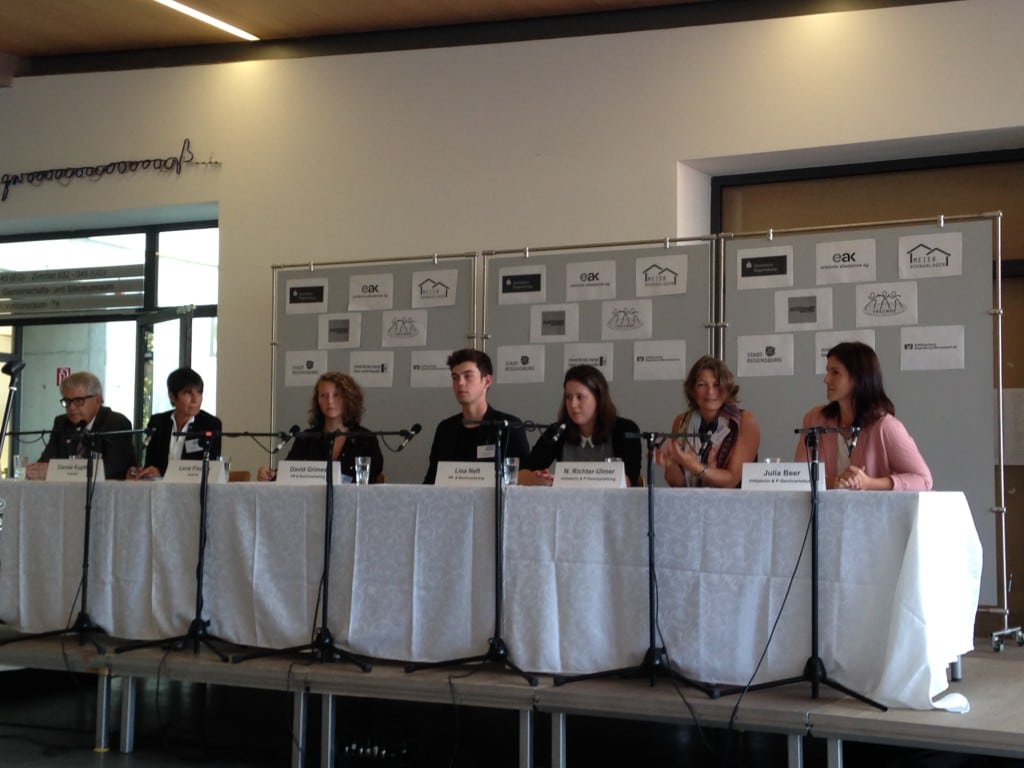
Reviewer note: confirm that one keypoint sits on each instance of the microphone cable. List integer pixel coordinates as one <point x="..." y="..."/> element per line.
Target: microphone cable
<point x="775" y="622"/>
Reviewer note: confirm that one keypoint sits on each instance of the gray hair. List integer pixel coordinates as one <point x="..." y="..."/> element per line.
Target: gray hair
<point x="90" y="381"/>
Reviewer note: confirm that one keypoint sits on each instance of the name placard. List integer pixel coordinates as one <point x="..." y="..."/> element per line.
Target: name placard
<point x="781" y="476"/>
<point x="191" y="471"/>
<point x="476" y="474"/>
<point x="310" y="473"/>
<point x="73" y="470"/>
<point x="590" y="474"/>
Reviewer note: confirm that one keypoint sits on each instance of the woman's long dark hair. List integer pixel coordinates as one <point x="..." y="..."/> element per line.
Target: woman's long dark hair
<point x="870" y="403"/>
<point x="606" y="413"/>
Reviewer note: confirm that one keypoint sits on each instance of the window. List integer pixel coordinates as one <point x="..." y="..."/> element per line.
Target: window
<point x="128" y="305"/>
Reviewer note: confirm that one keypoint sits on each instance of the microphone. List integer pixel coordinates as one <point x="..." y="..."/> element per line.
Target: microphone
<point x="286" y="436"/>
<point x="559" y="433"/>
<point x="854" y="434"/>
<point x="12" y="367"/>
<point x="705" y="442"/>
<point x="76" y="433"/>
<point x="503" y="423"/>
<point x="408" y="436"/>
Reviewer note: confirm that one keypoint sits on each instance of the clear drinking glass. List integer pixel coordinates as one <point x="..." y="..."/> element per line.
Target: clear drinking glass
<point x="510" y="474"/>
<point x="362" y="470"/>
<point x="19" y="465"/>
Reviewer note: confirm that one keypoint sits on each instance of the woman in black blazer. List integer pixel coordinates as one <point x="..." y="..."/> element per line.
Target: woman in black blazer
<point x="185" y="388"/>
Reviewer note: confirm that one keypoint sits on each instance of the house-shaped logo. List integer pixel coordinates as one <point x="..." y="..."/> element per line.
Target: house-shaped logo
<point x="923" y="255"/>
<point x="433" y="289"/>
<point x="656" y="275"/>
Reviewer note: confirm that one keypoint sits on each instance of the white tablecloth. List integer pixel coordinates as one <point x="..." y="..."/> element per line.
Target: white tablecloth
<point x="412" y="575"/>
<point x="899" y="575"/>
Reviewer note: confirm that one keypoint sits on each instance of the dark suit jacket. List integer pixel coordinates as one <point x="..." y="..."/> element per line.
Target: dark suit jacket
<point x="160" y="427"/>
<point x="118" y="451"/>
<point x="310" y="445"/>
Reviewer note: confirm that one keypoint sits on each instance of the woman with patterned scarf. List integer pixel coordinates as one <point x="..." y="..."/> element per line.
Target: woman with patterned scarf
<point x="722" y="435"/>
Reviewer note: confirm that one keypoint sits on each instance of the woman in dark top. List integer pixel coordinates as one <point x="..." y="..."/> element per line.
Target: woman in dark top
<point x="179" y="433"/>
<point x="588" y="429"/>
<point x="336" y="406"/>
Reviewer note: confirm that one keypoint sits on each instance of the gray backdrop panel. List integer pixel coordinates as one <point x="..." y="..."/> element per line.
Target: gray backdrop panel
<point x="948" y="412"/>
<point x="651" y="404"/>
<point x="387" y="409"/>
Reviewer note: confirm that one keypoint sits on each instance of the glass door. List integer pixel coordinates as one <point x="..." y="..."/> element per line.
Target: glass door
<point x="171" y="339"/>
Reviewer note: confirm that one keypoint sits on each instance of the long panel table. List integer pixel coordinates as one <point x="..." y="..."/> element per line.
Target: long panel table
<point x="412" y="575"/>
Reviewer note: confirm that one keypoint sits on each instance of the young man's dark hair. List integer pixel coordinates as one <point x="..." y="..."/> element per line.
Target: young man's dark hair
<point x="480" y="359"/>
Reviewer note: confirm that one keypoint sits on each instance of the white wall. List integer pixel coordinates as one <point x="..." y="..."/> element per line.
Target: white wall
<point x="534" y="143"/>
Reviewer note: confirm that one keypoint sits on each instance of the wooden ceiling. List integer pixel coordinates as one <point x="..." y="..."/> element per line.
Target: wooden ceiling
<point x="39" y="37"/>
<point x="32" y="28"/>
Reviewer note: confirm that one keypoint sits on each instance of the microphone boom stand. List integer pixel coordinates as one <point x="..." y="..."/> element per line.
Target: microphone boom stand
<point x="656" y="661"/>
<point x="198" y="633"/>
<point x="322" y="647"/>
<point x="497" y="650"/>
<point x="814" y="670"/>
<point x="13" y="369"/>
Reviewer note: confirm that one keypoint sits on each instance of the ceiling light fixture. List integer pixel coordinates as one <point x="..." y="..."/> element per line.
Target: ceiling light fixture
<point x="180" y="8"/>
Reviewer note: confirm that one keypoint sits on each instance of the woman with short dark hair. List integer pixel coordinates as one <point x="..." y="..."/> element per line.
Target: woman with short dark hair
<point x="185" y="432"/>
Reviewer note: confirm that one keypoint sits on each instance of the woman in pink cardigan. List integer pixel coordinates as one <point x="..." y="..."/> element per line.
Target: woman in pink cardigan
<point x="873" y="450"/>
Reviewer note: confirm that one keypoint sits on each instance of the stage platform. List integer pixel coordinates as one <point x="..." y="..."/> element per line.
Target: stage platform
<point x="992" y="682"/>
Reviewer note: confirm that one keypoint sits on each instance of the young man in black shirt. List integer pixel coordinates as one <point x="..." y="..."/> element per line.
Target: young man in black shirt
<point x="472" y="375"/>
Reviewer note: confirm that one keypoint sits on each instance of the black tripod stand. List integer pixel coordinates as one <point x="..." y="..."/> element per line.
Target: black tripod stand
<point x="13" y="369"/>
<point x="322" y="648"/>
<point x="655" y="662"/>
<point x="198" y="633"/>
<point x="814" y="670"/>
<point x="497" y="650"/>
<point x="84" y="627"/>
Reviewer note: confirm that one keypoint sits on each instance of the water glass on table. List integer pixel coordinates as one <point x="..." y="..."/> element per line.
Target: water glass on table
<point x="19" y="465"/>
<point x="510" y="471"/>
<point x="362" y="470"/>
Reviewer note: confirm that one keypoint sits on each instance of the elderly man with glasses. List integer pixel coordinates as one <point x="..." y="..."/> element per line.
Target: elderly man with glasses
<point x="82" y="426"/>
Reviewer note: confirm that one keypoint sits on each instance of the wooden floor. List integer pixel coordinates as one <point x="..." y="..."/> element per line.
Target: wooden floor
<point x="992" y="682"/>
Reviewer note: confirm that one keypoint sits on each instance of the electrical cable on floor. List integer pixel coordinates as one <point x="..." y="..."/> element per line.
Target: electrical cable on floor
<point x="456" y="722"/>
<point x="775" y="623"/>
<point x="673" y="673"/>
<point x="291" y="731"/>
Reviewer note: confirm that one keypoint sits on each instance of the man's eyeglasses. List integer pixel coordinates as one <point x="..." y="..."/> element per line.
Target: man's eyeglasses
<point x="75" y="401"/>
